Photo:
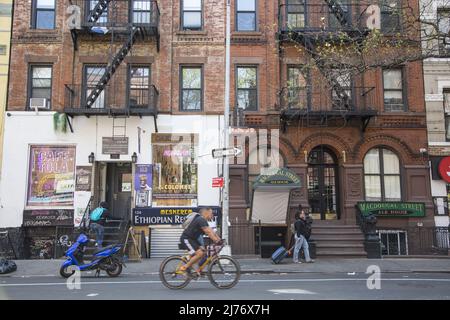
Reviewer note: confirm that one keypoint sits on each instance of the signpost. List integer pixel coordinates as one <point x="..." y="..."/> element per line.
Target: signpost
<point x="217" y="182"/>
<point x="226" y="152"/>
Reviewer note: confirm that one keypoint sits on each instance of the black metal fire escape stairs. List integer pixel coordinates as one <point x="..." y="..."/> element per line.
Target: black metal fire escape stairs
<point x="310" y="40"/>
<point x="112" y="67"/>
<point x="98" y="10"/>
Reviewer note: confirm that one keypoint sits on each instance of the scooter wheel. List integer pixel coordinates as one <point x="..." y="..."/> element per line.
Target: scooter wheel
<point x="114" y="270"/>
<point x="65" y="273"/>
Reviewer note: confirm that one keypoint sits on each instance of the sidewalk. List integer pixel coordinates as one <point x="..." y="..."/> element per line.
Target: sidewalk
<point x="28" y="268"/>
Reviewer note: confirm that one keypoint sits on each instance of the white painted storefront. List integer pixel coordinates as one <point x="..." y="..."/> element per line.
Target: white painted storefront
<point x="23" y="129"/>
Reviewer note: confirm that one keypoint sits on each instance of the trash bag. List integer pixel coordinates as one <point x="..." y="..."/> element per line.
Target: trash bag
<point x="7" y="266"/>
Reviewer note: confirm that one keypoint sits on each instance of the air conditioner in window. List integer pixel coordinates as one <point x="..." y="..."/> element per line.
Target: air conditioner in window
<point x="39" y="104"/>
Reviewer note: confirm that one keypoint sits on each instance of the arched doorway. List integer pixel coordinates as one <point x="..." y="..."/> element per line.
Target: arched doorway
<point x="322" y="184"/>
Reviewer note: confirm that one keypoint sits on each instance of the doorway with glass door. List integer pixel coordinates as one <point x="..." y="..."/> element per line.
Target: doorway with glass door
<point x="118" y="189"/>
<point x="322" y="183"/>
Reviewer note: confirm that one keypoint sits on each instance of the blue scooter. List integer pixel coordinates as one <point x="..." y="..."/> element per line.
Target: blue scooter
<point x="106" y="259"/>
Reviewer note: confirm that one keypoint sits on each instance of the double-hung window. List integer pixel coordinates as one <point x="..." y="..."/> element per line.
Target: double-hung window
<point x="139" y="86"/>
<point x="142" y="12"/>
<point x="393" y="90"/>
<point x="192" y="15"/>
<point x="43" y="14"/>
<point x="297" y="88"/>
<point x="92" y="76"/>
<point x="390" y="16"/>
<point x="191" y="88"/>
<point x="247" y="88"/>
<point x="40" y="83"/>
<point x="246" y="15"/>
<point x="295" y="14"/>
<point x="443" y="15"/>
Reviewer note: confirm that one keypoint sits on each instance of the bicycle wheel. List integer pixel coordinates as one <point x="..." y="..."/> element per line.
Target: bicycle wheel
<point x="168" y="273"/>
<point x="224" y="272"/>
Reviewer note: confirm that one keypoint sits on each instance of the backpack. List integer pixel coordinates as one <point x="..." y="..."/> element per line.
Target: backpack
<point x="96" y="214"/>
<point x="307" y="230"/>
<point x="189" y="219"/>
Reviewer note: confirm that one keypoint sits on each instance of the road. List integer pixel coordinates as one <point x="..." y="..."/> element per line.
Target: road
<point x="434" y="286"/>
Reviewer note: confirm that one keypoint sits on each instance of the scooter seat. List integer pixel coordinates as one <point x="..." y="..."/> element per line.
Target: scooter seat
<point x="105" y="248"/>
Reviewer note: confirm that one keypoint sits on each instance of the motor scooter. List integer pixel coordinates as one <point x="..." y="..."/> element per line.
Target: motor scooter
<point x="106" y="258"/>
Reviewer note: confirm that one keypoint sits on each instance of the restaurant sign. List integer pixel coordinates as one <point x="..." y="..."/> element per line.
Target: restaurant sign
<point x="47" y="218"/>
<point x="278" y="177"/>
<point x="168" y="215"/>
<point x="392" y="209"/>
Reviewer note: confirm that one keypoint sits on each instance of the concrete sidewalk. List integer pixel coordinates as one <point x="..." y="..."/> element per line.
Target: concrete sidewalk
<point x="31" y="268"/>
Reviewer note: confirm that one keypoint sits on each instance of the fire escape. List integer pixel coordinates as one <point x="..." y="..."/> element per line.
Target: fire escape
<point x="333" y="101"/>
<point x="123" y="24"/>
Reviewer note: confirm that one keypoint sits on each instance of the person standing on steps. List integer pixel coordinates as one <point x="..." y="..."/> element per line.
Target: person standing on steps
<point x="97" y="221"/>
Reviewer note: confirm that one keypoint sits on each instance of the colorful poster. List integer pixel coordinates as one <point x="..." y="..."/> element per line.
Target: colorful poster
<point x="51" y="181"/>
<point x="174" y="169"/>
<point x="143" y="177"/>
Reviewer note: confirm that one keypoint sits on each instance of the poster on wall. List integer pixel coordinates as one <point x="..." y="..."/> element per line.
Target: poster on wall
<point x="143" y="185"/>
<point x="47" y="218"/>
<point x="83" y="178"/>
<point x="175" y="170"/>
<point x="51" y="181"/>
<point x="81" y="201"/>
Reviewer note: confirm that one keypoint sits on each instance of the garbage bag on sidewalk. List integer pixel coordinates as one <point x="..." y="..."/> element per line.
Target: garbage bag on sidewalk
<point x="7" y="266"/>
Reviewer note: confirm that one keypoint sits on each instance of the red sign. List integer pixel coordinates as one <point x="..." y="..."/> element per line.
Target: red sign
<point x="444" y="169"/>
<point x="217" y="182"/>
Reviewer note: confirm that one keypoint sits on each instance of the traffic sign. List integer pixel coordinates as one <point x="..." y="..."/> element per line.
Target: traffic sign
<point x="217" y="182"/>
<point x="226" y="152"/>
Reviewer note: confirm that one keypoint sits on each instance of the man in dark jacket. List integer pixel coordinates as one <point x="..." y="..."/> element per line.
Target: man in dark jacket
<point x="98" y="225"/>
<point x="301" y="233"/>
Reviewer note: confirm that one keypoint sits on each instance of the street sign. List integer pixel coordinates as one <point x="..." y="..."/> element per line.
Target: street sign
<point x="217" y="182"/>
<point x="226" y="152"/>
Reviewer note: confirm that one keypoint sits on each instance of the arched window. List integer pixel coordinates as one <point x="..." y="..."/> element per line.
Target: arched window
<point x="382" y="175"/>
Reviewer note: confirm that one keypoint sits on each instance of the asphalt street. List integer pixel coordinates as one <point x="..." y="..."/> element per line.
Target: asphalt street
<point x="348" y="286"/>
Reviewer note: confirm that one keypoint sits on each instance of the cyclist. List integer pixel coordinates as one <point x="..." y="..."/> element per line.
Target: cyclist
<point x="189" y="238"/>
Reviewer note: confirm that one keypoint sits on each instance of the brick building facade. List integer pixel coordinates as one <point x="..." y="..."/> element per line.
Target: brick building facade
<point x="325" y="145"/>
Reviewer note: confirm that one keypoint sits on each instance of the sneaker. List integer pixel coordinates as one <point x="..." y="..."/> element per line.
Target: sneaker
<point x="310" y="261"/>
<point x="299" y="262"/>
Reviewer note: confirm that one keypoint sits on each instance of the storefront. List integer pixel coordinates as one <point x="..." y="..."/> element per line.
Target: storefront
<point x="50" y="176"/>
<point x="271" y="208"/>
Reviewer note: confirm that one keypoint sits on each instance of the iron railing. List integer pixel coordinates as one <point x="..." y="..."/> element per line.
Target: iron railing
<point x="428" y="240"/>
<point x="322" y="98"/>
<point x="114" y="99"/>
<point x="118" y="14"/>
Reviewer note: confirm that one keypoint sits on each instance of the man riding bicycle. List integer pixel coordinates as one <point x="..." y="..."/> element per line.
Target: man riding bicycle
<point x="190" y="237"/>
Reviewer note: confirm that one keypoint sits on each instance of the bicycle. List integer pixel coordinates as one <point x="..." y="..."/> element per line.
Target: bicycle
<point x="225" y="266"/>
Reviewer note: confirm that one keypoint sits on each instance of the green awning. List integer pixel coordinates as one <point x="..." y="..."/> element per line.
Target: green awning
<point x="281" y="178"/>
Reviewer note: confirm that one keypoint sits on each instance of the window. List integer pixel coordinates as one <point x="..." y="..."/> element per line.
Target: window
<point x="5" y="9"/>
<point x="192" y="15"/>
<point x="92" y="76"/>
<point x="103" y="17"/>
<point x="333" y="20"/>
<point x="139" y="86"/>
<point x="246" y="91"/>
<point x="3" y="49"/>
<point x="44" y="14"/>
<point x="40" y="83"/>
<point x="444" y="29"/>
<point x="393" y="242"/>
<point x="191" y="88"/>
<point x="341" y="89"/>
<point x="51" y="176"/>
<point x="142" y="11"/>
<point x="382" y="175"/>
<point x="246" y="15"/>
<point x="297" y="90"/>
<point x="390" y="16"/>
<point x="446" y="94"/>
<point x="296" y="14"/>
<point x="393" y="90"/>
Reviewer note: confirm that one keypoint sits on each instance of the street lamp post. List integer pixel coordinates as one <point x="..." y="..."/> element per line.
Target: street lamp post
<point x="226" y="137"/>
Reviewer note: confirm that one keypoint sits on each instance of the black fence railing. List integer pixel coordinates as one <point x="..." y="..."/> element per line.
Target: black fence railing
<point x="326" y="98"/>
<point x="114" y="99"/>
<point x="428" y="240"/>
<point x="118" y="13"/>
<point x="245" y="237"/>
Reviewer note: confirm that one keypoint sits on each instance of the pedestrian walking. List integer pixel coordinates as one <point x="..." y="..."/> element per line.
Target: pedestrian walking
<point x="97" y="221"/>
<point x="302" y="232"/>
